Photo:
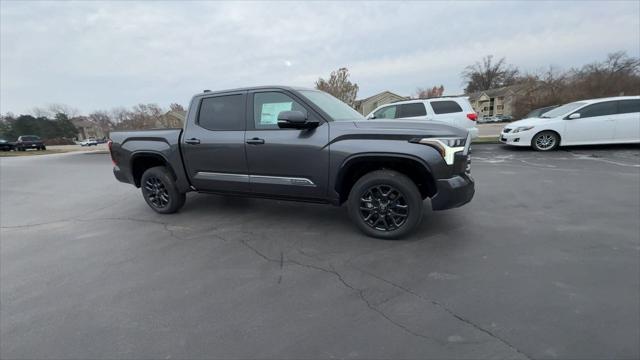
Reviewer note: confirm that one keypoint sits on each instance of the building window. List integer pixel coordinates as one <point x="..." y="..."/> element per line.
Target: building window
<point x="500" y="107"/>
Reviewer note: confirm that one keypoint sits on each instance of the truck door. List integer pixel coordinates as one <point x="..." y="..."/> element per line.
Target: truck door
<point x="285" y="162"/>
<point x="213" y="146"/>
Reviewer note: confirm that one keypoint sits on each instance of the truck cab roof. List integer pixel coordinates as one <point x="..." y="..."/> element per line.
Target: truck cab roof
<point x="264" y="87"/>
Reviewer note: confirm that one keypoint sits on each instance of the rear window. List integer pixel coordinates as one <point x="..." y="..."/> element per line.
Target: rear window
<point x="222" y="113"/>
<point x="445" y="107"/>
<point x="411" y="110"/>
<point x="628" y="106"/>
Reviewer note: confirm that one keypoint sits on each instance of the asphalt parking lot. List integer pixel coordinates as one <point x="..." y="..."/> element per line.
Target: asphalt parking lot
<point x="543" y="263"/>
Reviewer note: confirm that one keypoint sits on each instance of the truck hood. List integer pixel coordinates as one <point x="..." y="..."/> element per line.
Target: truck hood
<point x="408" y="127"/>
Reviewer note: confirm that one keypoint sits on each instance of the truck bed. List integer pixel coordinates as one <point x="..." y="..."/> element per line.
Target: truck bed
<point x="156" y="145"/>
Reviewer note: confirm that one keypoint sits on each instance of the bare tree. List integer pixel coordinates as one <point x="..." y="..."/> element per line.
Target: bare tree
<point x="119" y="115"/>
<point x="70" y="111"/>
<point x="51" y="110"/>
<point x="339" y="86"/>
<point x="435" y="91"/>
<point x="488" y="74"/>
<point x="176" y="107"/>
<point x="618" y="74"/>
<point x="103" y="120"/>
<point x="39" y="112"/>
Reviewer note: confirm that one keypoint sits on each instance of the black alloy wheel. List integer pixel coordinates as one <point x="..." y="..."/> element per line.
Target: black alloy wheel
<point x="384" y="208"/>
<point x="160" y="191"/>
<point x="156" y="192"/>
<point x="385" y="204"/>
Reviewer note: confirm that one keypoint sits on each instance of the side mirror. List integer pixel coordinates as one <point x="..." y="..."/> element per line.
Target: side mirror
<point x="371" y="117"/>
<point x="574" y="116"/>
<point x="295" y="120"/>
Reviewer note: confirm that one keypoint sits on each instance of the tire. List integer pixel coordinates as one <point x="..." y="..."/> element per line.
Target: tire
<point x="402" y="198"/>
<point x="160" y="192"/>
<point x="43" y="148"/>
<point x="545" y="141"/>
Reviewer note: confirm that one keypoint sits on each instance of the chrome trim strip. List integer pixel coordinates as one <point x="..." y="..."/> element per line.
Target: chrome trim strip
<point x="280" y="180"/>
<point x="205" y="175"/>
<point x="255" y="179"/>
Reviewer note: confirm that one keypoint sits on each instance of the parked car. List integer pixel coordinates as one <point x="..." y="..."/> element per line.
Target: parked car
<point x="456" y="111"/>
<point x="503" y="118"/>
<point x="538" y="112"/>
<point x="25" y="142"/>
<point x="6" y="145"/>
<point x="485" y="119"/>
<point x="89" y="142"/>
<point x="303" y="145"/>
<point x="585" y="122"/>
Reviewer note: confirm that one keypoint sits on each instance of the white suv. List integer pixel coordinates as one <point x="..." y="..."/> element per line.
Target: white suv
<point x="456" y="111"/>
<point x="585" y="122"/>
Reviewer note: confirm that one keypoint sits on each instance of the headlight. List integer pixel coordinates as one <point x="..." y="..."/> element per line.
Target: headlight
<point x="447" y="147"/>
<point x="522" y="128"/>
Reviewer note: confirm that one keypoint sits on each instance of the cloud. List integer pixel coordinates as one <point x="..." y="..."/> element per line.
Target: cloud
<point x="97" y="55"/>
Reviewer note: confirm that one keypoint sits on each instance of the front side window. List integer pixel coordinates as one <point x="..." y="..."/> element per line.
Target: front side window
<point x="599" y="109"/>
<point x="267" y="106"/>
<point x="628" y="106"/>
<point x="388" y="112"/>
<point x="222" y="113"/>
<point x="446" y="107"/>
<point x="412" y="110"/>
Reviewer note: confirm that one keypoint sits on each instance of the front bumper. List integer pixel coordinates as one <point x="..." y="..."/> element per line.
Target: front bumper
<point x="453" y="192"/>
<point x="522" y="138"/>
<point x="459" y="188"/>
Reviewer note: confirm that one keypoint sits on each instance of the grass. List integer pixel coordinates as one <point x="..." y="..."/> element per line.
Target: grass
<point x="33" y="152"/>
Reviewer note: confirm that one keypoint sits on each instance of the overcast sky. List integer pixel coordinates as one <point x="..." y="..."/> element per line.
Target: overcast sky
<point x="99" y="55"/>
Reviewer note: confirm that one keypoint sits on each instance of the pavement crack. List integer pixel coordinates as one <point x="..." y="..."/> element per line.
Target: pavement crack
<point x="341" y="279"/>
<point x="450" y="312"/>
<point x="36" y="224"/>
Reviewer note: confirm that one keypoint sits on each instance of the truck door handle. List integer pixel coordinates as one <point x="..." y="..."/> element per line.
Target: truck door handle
<point x="193" y="141"/>
<point x="255" y="141"/>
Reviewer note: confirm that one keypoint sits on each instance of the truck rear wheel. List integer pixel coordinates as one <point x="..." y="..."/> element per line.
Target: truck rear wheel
<point x="160" y="192"/>
<point x="385" y="204"/>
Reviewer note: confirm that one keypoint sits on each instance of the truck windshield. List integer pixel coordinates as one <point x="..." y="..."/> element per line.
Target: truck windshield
<point x="335" y="108"/>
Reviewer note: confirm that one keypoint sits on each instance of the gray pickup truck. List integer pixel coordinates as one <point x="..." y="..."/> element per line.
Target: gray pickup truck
<point x="304" y="145"/>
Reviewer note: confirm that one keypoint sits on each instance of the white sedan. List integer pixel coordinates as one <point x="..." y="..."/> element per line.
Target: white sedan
<point x="613" y="120"/>
<point x="89" y="142"/>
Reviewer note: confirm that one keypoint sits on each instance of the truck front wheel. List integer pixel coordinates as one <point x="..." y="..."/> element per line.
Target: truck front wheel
<point x="385" y="204"/>
<point x="160" y="192"/>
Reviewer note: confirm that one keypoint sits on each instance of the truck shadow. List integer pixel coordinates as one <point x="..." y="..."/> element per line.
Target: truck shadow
<point x="277" y="217"/>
